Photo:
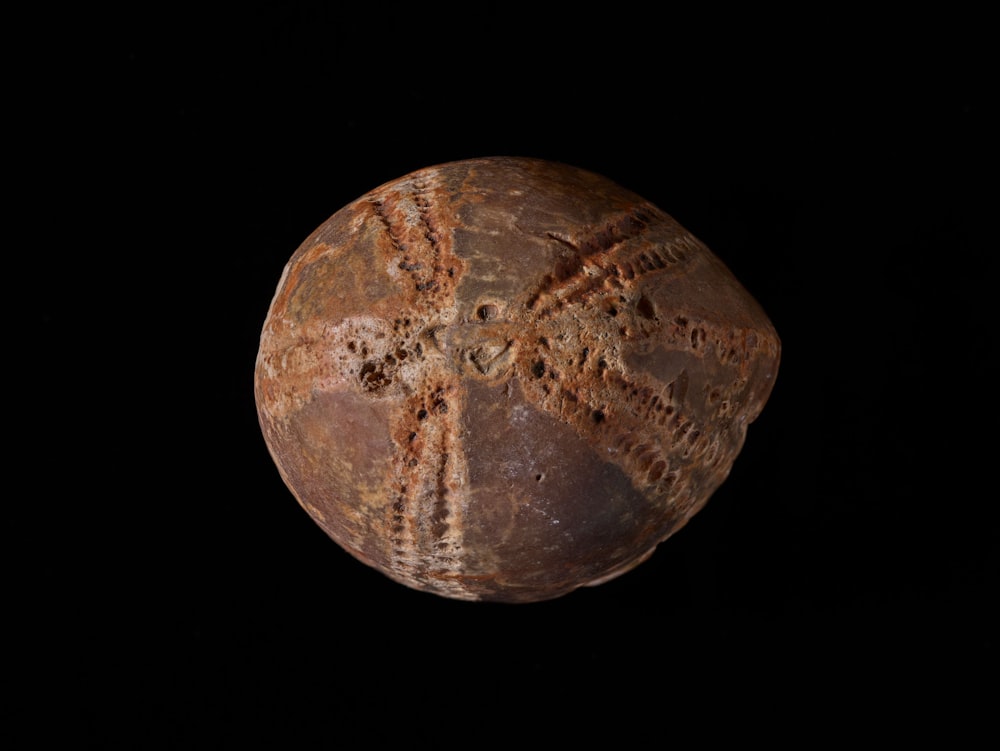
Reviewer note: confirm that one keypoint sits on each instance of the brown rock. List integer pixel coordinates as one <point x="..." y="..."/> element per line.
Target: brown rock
<point x="502" y="379"/>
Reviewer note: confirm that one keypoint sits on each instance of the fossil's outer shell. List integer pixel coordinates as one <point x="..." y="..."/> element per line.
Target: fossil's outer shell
<point x="503" y="378"/>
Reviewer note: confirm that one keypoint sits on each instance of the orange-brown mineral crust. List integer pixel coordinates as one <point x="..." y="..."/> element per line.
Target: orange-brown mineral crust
<point x="502" y="378"/>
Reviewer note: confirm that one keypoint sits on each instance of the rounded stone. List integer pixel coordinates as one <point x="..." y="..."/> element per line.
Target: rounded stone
<point x="502" y="379"/>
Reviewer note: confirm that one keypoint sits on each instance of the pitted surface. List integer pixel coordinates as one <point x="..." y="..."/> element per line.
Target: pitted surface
<point x="503" y="378"/>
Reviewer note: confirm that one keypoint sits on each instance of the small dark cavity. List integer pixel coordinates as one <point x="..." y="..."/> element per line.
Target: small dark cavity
<point x="352" y="347"/>
<point x="539" y="477"/>
<point x="538" y="369"/>
<point x="422" y="414"/>
<point x="487" y="312"/>
<point x="373" y="376"/>
<point x="645" y="308"/>
<point x="680" y="385"/>
<point x="598" y="416"/>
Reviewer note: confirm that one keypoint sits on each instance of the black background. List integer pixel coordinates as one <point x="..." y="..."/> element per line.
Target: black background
<point x="840" y="168"/>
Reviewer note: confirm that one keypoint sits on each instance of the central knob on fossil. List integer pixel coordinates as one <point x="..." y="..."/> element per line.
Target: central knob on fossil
<point x="481" y="347"/>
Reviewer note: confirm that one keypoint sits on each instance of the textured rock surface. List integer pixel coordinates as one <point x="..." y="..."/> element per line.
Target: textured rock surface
<point x="502" y="379"/>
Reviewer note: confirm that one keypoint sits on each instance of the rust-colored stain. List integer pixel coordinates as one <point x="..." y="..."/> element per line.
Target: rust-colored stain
<point x="502" y="379"/>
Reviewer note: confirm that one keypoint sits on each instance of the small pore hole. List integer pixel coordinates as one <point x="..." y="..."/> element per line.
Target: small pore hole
<point x="645" y="308"/>
<point x="487" y="312"/>
<point x="373" y="377"/>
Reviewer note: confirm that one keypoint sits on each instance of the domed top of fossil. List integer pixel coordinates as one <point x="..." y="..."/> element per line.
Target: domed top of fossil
<point x="505" y="378"/>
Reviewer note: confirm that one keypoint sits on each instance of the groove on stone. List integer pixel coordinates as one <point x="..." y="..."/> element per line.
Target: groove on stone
<point x="424" y="519"/>
<point x="612" y="256"/>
